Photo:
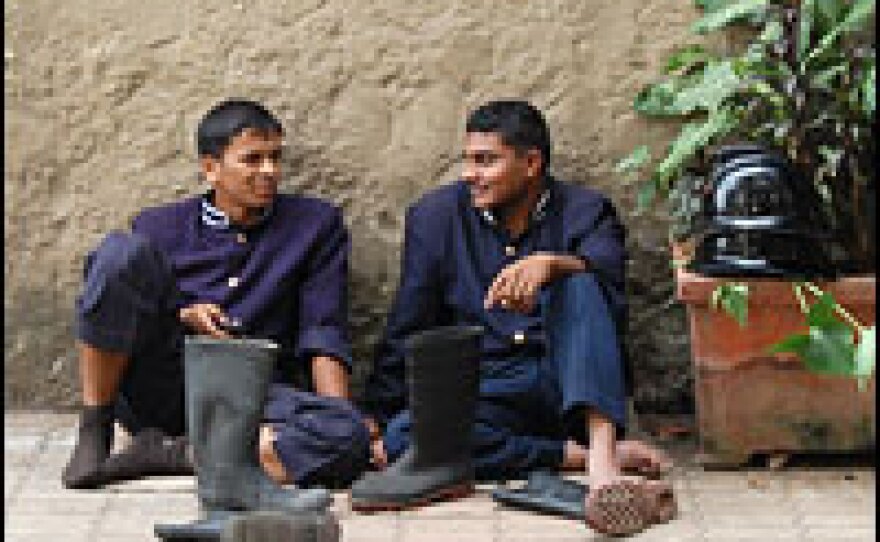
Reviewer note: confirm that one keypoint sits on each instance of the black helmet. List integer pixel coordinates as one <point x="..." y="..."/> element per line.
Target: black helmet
<point x="761" y="219"/>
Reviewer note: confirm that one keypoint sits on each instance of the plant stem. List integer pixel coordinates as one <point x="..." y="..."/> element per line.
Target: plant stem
<point x="799" y="294"/>
<point x="850" y="319"/>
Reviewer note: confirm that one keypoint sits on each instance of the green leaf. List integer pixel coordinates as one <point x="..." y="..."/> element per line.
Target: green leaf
<point x="825" y="78"/>
<point x="805" y="27"/>
<point x="829" y="345"/>
<point x="821" y="313"/>
<point x="686" y="58"/>
<point x="824" y="350"/>
<point x="646" y="195"/>
<point x="771" y="33"/>
<point x="657" y="99"/>
<point x="859" y="13"/>
<point x="718" y="82"/>
<point x="830" y="10"/>
<point x="831" y="350"/>
<point x="768" y="93"/>
<point x="712" y="5"/>
<point x="733" y="297"/>
<point x="796" y="344"/>
<point x="693" y="137"/>
<point x="703" y="90"/>
<point x="634" y="160"/>
<point x="869" y="89"/>
<point x="866" y="352"/>
<point x="727" y="14"/>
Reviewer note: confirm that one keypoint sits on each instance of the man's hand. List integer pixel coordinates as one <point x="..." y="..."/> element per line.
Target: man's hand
<point x="377" y="445"/>
<point x="205" y="319"/>
<point x="516" y="287"/>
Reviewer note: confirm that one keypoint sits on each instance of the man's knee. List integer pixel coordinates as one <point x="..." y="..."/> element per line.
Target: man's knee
<point x="330" y="446"/>
<point x="577" y="289"/>
<point x="117" y="253"/>
<point x="579" y="300"/>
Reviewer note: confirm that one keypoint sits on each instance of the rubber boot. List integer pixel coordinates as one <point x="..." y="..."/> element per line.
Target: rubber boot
<point x="93" y="443"/>
<point x="150" y="453"/>
<point x="280" y="527"/>
<point x="442" y="378"/>
<point x="227" y="381"/>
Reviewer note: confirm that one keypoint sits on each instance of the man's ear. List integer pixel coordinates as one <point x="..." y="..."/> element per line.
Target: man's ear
<point x="534" y="163"/>
<point x="208" y="165"/>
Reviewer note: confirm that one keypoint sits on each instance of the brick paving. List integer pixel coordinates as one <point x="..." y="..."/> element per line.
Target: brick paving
<point x="817" y="503"/>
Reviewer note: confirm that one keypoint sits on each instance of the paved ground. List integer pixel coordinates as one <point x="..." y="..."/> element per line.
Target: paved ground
<point x="818" y="503"/>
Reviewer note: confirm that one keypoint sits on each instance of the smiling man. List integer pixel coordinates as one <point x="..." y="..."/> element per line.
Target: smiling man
<point x="239" y="259"/>
<point x="538" y="264"/>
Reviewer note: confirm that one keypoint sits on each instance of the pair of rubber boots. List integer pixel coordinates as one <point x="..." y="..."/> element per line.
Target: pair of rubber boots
<point x="227" y="382"/>
<point x="442" y="375"/>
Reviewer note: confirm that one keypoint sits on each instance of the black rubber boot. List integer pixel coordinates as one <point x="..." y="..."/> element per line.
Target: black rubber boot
<point x="278" y="527"/>
<point x="442" y="377"/>
<point x="150" y="453"/>
<point x="227" y="381"/>
<point x="93" y="443"/>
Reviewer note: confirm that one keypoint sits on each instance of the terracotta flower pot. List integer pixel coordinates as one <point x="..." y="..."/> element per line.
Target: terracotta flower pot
<point x="750" y="401"/>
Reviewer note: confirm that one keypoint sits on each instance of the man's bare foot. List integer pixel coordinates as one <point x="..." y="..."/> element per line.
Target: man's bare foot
<point x="642" y="458"/>
<point x="574" y="456"/>
<point x="633" y="455"/>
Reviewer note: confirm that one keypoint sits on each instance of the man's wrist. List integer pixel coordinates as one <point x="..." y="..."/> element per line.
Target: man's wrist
<point x="373" y="428"/>
<point x="561" y="265"/>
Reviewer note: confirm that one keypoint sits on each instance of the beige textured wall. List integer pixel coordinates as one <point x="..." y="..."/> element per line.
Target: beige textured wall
<point x="102" y="98"/>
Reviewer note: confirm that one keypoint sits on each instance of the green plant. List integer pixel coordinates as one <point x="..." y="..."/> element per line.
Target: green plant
<point x="802" y="83"/>
<point x="835" y="342"/>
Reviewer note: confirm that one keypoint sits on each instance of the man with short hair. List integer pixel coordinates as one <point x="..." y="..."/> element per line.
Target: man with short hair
<point x="538" y="264"/>
<point x="240" y="259"/>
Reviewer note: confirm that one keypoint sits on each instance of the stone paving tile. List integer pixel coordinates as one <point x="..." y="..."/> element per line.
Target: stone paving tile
<point x="65" y="533"/>
<point x="69" y="505"/>
<point x="841" y="534"/>
<point x="841" y="519"/>
<point x="740" y="533"/>
<point x="479" y="506"/>
<point x="371" y="528"/>
<point x="678" y="530"/>
<point x="445" y="530"/>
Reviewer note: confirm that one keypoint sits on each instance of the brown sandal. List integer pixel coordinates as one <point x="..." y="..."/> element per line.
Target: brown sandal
<point x="627" y="507"/>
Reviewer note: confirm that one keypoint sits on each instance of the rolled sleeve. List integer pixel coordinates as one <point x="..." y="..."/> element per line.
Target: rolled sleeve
<point x="323" y="308"/>
<point x="327" y="341"/>
<point x="599" y="238"/>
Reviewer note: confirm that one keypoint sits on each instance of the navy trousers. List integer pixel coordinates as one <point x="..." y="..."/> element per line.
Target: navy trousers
<point x="531" y="402"/>
<point x="127" y="306"/>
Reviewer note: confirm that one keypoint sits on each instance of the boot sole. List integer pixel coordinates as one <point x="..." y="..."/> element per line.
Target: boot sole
<point x="446" y="494"/>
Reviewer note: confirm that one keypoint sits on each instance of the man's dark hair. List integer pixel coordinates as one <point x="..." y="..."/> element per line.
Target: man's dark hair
<point x="518" y="122"/>
<point x="230" y="118"/>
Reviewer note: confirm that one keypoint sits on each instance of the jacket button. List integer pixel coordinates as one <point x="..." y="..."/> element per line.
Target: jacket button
<point x="233" y="282"/>
<point x="519" y="337"/>
<point x="510" y="250"/>
<point x="241" y="238"/>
